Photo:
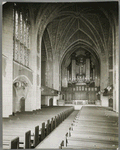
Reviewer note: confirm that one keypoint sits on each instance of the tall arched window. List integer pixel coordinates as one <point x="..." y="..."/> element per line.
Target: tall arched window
<point x="21" y="35"/>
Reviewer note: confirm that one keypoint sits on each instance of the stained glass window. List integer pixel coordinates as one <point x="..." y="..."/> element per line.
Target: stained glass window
<point x="16" y="24"/>
<point x="21" y="36"/>
<point x="21" y="27"/>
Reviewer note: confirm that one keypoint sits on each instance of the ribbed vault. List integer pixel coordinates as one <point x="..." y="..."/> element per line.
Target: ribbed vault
<point x="91" y="25"/>
<point x="67" y="27"/>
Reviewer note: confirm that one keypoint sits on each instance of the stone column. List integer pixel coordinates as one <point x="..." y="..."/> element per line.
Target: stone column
<point x="93" y="73"/>
<point x="87" y="65"/>
<point x="84" y="69"/>
<point x="68" y="74"/>
<point x="73" y="66"/>
<point x="117" y="69"/>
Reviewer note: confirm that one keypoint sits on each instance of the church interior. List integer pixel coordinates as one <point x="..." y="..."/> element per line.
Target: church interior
<point x="60" y="75"/>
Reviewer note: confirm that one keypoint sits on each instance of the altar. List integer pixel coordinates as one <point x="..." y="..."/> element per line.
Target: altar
<point x="80" y="102"/>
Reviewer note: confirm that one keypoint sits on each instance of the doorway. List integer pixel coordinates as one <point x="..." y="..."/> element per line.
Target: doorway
<point x="22" y="104"/>
<point x="51" y="102"/>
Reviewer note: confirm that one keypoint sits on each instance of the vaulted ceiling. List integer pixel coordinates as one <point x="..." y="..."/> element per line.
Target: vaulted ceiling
<point x="80" y="25"/>
<point x="76" y="26"/>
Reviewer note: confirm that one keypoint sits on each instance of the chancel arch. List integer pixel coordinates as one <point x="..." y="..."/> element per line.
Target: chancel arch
<point x="80" y="74"/>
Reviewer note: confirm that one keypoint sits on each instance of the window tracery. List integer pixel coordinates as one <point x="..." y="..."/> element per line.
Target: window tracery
<point x="21" y="36"/>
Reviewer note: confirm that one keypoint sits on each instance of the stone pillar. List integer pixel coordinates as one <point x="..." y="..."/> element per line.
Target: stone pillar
<point x="93" y="73"/>
<point x="114" y="72"/>
<point x="73" y="67"/>
<point x="117" y="69"/>
<point x="84" y="69"/>
<point x="87" y="65"/>
<point x="68" y="74"/>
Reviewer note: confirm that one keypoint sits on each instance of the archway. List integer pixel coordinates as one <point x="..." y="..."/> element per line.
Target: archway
<point x="51" y="102"/>
<point x="22" y="104"/>
<point x="21" y="88"/>
<point x="80" y="75"/>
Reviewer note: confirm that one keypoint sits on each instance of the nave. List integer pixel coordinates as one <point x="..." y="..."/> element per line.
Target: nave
<point x="92" y="127"/>
<point x="56" y="59"/>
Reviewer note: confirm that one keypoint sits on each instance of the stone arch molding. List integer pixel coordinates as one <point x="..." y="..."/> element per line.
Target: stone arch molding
<point x="22" y="85"/>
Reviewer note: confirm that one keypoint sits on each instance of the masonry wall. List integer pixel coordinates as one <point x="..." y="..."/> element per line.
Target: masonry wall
<point x="12" y="70"/>
<point x="7" y="51"/>
<point x="116" y="69"/>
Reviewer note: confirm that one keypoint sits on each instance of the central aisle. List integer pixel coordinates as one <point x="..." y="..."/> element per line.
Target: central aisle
<point x="53" y="140"/>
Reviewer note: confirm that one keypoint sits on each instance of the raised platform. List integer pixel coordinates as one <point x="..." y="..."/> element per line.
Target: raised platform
<point x="77" y="104"/>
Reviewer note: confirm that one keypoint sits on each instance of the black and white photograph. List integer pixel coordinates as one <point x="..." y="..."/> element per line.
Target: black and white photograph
<point x="60" y="75"/>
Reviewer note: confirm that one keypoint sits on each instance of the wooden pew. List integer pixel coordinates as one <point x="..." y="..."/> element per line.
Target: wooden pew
<point x="47" y="131"/>
<point x="51" y="124"/>
<point x="37" y="137"/>
<point x="26" y="141"/>
<point x="43" y="131"/>
<point x="13" y="144"/>
<point x="55" y="121"/>
<point x="61" y="144"/>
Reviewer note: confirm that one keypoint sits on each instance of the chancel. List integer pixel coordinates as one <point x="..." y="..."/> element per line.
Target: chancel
<point x="60" y="75"/>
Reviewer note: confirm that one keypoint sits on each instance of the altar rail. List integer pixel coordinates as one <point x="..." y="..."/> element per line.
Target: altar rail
<point x="77" y="102"/>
